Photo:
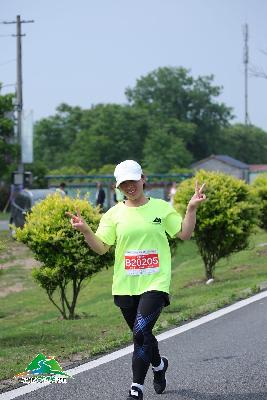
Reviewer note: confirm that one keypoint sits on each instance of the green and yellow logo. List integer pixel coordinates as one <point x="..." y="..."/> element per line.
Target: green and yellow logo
<point x="43" y="369"/>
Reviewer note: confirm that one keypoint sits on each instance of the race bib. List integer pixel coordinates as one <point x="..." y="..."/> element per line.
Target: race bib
<point x="141" y="262"/>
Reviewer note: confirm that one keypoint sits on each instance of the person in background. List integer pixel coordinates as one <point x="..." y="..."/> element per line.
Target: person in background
<point x="172" y="192"/>
<point x="100" y="195"/>
<point x="137" y="227"/>
<point x="113" y="199"/>
<point x="62" y="189"/>
<point x="116" y="194"/>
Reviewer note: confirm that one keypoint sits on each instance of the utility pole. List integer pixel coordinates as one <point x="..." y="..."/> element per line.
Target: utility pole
<point x="19" y="97"/>
<point x="246" y="59"/>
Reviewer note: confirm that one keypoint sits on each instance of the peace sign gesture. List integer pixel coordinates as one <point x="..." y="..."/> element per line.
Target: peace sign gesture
<point x="78" y="222"/>
<point x="198" y="196"/>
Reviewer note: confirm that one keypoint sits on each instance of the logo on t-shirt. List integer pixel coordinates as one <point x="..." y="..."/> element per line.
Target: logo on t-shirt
<point x="157" y="220"/>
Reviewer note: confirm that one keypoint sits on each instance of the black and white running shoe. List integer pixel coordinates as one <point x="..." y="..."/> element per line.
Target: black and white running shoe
<point x="135" y="393"/>
<point x="159" y="380"/>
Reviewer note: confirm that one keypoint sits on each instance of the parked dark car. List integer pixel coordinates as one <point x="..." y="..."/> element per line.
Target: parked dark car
<point x="23" y="203"/>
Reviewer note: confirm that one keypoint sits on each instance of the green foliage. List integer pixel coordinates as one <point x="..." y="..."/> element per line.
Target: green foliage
<point x="54" y="136"/>
<point x="171" y="92"/>
<point x="2" y="246"/>
<point x="260" y="189"/>
<point x="6" y="123"/>
<point x="66" y="171"/>
<point x="8" y="150"/>
<point x="39" y="171"/>
<point x="224" y="221"/>
<point x="245" y="143"/>
<point x="66" y="259"/>
<point x="111" y="134"/>
<point x="107" y="169"/>
<point x="169" y="140"/>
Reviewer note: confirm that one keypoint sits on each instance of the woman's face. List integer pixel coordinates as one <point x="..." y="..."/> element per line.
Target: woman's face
<point x="132" y="189"/>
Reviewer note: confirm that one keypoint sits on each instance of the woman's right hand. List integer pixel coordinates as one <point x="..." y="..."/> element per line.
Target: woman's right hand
<point x="78" y="222"/>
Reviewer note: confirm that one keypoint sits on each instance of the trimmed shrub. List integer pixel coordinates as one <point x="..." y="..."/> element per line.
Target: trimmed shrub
<point x="2" y="246"/>
<point x="224" y="221"/>
<point x="260" y="190"/>
<point x="67" y="261"/>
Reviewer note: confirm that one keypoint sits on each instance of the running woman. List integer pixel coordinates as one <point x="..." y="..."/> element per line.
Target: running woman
<point x="142" y="268"/>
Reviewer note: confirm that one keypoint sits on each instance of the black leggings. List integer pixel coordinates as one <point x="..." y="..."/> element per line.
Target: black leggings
<point x="141" y="313"/>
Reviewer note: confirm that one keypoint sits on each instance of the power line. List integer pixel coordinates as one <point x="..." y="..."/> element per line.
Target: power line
<point x="7" y="62"/>
<point x="15" y="22"/>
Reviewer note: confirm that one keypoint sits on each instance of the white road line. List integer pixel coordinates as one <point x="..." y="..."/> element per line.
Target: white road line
<point x="12" y="394"/>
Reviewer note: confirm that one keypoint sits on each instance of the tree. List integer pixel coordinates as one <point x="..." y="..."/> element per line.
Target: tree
<point x="66" y="171"/>
<point x="113" y="133"/>
<point x="67" y="261"/>
<point x="163" y="151"/>
<point x="39" y="171"/>
<point x="260" y="187"/>
<point x="245" y="143"/>
<point x="54" y="136"/>
<point x="224" y="221"/>
<point x="170" y="92"/>
<point x="104" y="134"/>
<point x="8" y="149"/>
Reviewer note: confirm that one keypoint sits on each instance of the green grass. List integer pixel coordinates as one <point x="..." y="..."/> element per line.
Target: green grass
<point x="30" y="324"/>
<point x="4" y="216"/>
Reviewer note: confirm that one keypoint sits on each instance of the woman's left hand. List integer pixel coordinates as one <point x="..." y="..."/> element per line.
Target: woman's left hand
<point x="198" y="196"/>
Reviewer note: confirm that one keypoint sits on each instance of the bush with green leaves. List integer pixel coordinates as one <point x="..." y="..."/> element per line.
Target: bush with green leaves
<point x="67" y="262"/>
<point x="2" y="248"/>
<point x="260" y="190"/>
<point x="224" y="221"/>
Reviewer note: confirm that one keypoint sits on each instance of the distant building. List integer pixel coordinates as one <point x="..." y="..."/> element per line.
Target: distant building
<point x="225" y="164"/>
<point x="255" y="170"/>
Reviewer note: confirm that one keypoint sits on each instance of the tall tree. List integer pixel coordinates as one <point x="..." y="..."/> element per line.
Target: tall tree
<point x="113" y="133"/>
<point x="163" y="151"/>
<point x="165" y="147"/>
<point x="170" y="92"/>
<point x="54" y="136"/>
<point x="8" y="149"/>
<point x="245" y="143"/>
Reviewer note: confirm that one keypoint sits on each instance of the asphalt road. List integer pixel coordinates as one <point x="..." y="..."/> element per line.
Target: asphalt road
<point x="224" y="359"/>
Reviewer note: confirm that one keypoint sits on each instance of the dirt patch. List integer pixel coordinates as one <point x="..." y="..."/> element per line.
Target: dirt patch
<point x="262" y="252"/>
<point x="194" y="282"/>
<point x="241" y="268"/>
<point x="16" y="255"/>
<point x="27" y="263"/>
<point x="17" y="287"/>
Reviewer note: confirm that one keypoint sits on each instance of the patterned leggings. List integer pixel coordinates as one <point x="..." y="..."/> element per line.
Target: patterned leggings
<point x="141" y="313"/>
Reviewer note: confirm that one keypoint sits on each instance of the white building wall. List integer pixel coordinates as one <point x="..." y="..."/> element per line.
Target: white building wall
<point x="219" y="166"/>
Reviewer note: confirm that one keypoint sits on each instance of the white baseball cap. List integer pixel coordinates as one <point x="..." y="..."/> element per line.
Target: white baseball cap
<point x="128" y="170"/>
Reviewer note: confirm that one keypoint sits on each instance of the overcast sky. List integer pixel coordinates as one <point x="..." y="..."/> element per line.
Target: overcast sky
<point x="85" y="52"/>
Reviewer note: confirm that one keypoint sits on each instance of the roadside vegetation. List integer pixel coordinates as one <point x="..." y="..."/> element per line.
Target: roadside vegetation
<point x="30" y="324"/>
<point x="4" y="216"/>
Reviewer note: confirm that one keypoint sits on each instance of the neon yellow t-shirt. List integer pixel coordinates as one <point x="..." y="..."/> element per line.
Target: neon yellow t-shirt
<point x="142" y="253"/>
